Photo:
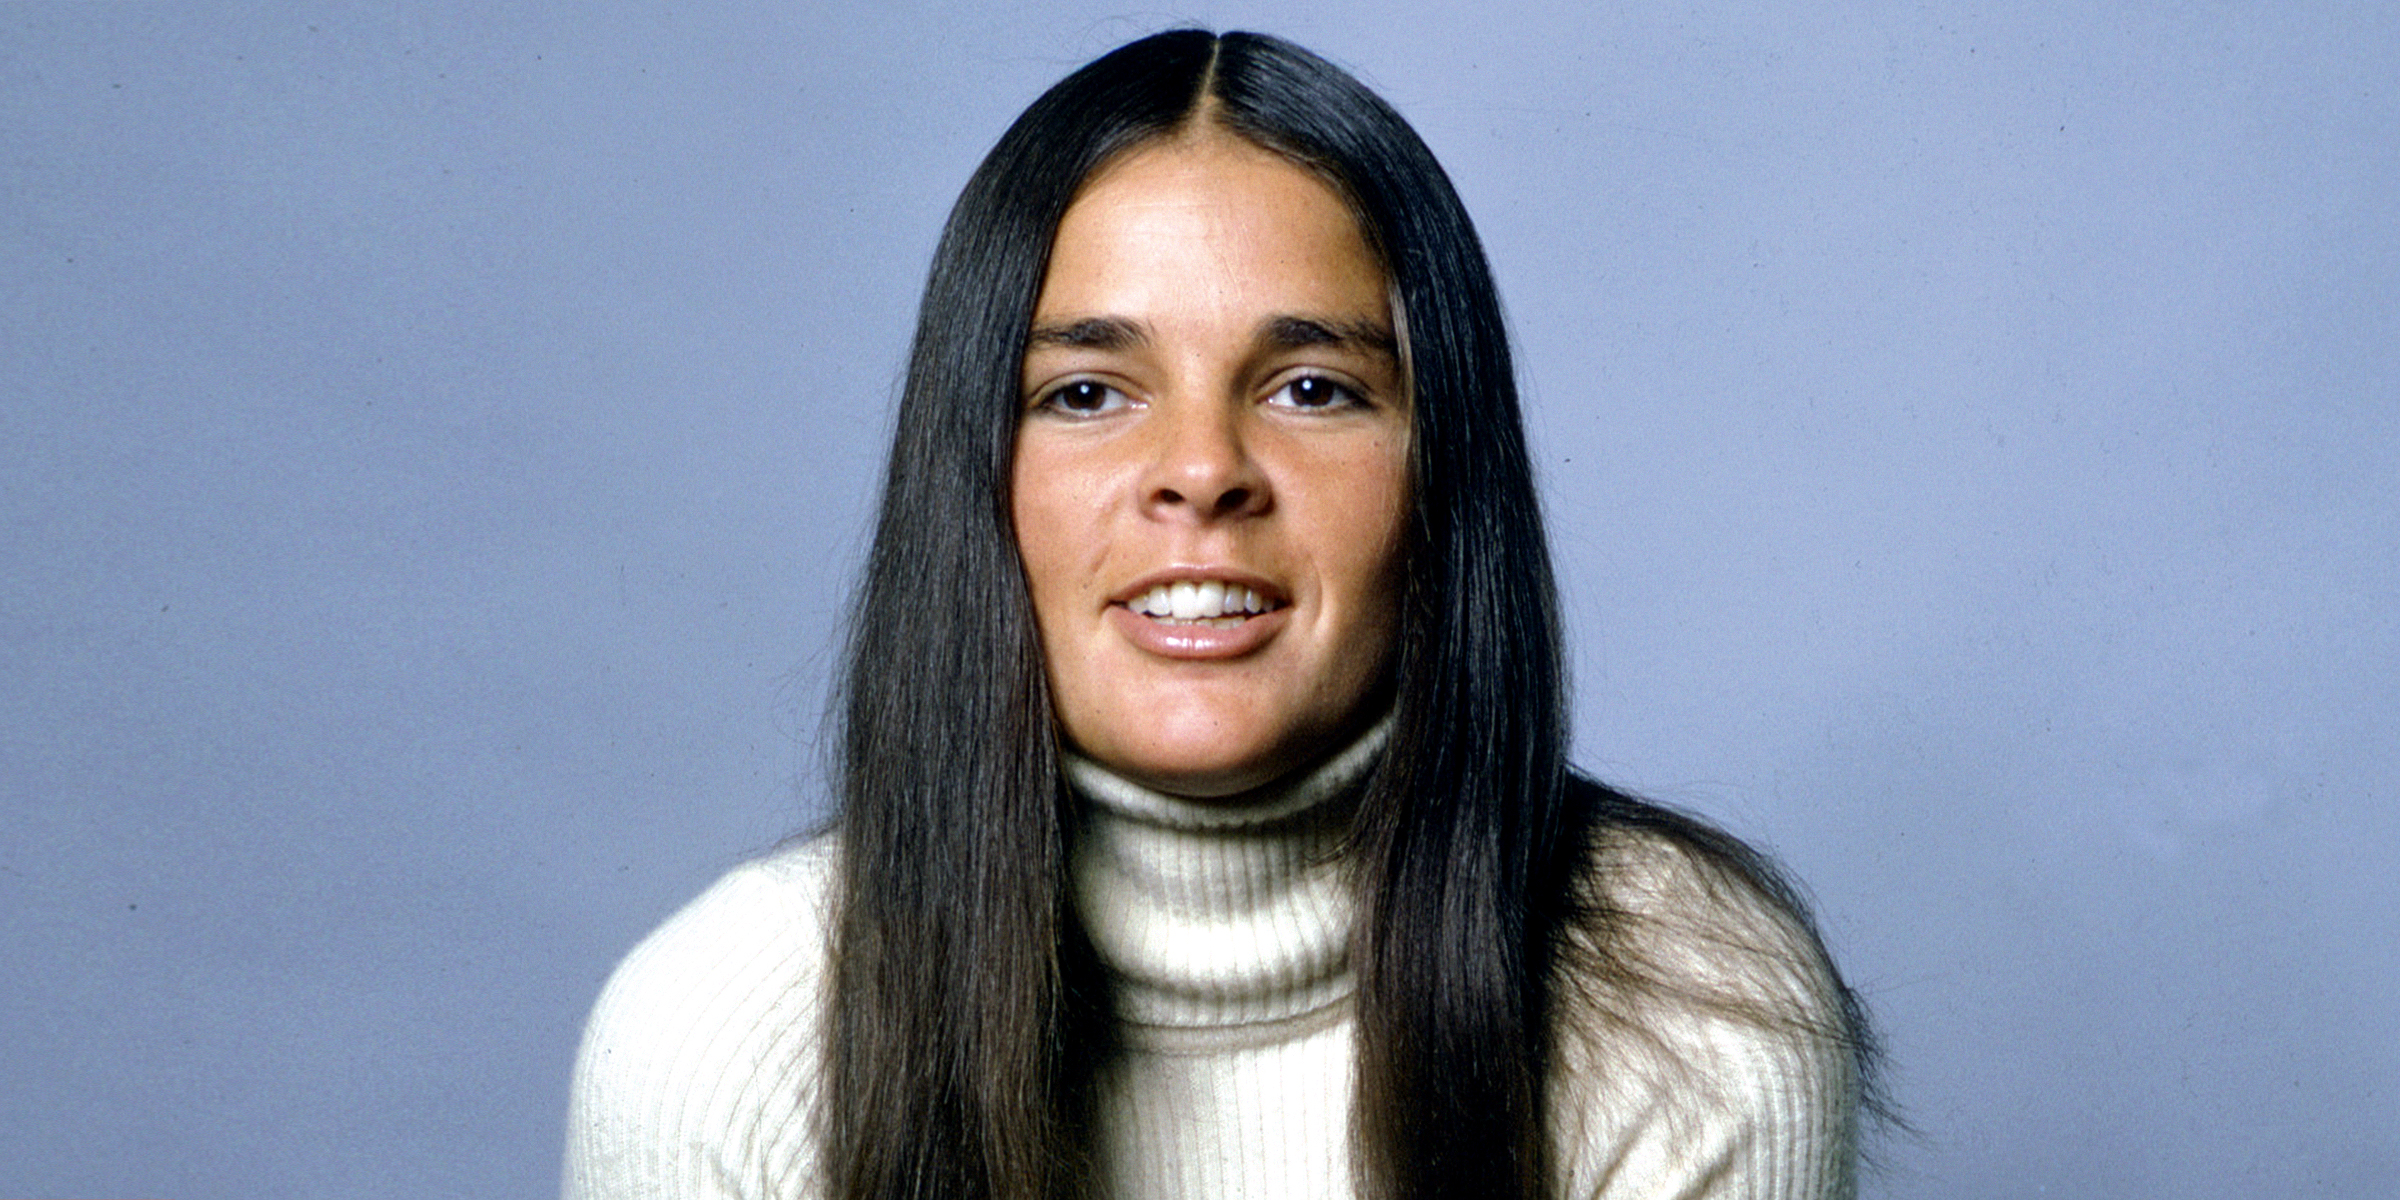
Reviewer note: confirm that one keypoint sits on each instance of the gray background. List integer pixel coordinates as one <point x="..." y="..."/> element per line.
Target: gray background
<point x="437" y="442"/>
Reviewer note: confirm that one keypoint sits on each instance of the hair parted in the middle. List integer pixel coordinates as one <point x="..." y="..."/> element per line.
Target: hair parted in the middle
<point x="968" y="1011"/>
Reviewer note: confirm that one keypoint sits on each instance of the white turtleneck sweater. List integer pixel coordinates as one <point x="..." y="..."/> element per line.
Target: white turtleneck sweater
<point x="1226" y="929"/>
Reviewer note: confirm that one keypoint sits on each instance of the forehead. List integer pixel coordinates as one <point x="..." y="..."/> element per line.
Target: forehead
<point x="1207" y="224"/>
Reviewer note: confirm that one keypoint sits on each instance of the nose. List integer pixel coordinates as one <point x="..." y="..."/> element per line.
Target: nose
<point x="1203" y="469"/>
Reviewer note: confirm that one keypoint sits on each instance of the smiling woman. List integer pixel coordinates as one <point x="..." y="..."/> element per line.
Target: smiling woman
<point x="1197" y="429"/>
<point x="1206" y="828"/>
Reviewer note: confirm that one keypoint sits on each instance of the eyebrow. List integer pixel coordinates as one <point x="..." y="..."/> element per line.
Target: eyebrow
<point x="1283" y="331"/>
<point x="1292" y="333"/>
<point x="1090" y="333"/>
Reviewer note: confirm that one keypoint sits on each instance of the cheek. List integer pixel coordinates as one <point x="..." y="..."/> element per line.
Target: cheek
<point x="1053" y="505"/>
<point x="1392" y="570"/>
<point x="1373" y="546"/>
<point x="1393" y="506"/>
<point x="1030" y="505"/>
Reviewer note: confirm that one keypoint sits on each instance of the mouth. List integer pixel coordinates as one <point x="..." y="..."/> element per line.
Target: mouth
<point x="1202" y="601"/>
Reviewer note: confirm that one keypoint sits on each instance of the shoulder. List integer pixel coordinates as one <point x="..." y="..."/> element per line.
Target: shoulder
<point x="760" y="928"/>
<point x="701" y="1050"/>
<point x="1705" y="1044"/>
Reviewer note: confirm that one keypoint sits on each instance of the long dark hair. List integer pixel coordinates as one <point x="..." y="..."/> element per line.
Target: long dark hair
<point x="967" y="1011"/>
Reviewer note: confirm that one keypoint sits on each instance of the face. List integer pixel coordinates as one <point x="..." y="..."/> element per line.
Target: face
<point x="1211" y="475"/>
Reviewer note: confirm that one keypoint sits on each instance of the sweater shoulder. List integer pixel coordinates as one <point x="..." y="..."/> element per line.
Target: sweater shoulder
<point x="1704" y="1040"/>
<point x="1703" y="921"/>
<point x="699" y="1063"/>
<point x="763" y="923"/>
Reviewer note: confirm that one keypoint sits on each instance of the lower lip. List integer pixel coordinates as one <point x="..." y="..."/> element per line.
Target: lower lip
<point x="1196" y="641"/>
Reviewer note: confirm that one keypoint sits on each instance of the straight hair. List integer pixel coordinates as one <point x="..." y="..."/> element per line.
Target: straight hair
<point x="968" y="1013"/>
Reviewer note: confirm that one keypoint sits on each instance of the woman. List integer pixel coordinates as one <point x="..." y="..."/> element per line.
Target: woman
<point x="1206" y="829"/>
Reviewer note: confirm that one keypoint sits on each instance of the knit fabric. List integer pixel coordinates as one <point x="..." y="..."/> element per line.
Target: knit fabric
<point x="1226" y="928"/>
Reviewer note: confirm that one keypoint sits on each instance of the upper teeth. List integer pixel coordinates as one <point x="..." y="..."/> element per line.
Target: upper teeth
<point x="1188" y="600"/>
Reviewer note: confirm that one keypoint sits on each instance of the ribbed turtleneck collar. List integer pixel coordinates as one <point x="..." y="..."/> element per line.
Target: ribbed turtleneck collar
<point x="1226" y="912"/>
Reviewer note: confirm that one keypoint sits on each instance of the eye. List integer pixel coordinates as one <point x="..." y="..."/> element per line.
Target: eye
<point x="1315" y="393"/>
<point x="1083" y="398"/>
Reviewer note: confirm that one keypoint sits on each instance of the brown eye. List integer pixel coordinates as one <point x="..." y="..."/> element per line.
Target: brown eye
<point x="1083" y="398"/>
<point x="1314" y="392"/>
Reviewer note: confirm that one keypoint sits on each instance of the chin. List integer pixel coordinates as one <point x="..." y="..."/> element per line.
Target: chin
<point x="1198" y="775"/>
<point x="1213" y="766"/>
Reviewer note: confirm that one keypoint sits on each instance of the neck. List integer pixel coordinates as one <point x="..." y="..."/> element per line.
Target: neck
<point x="1219" y="913"/>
